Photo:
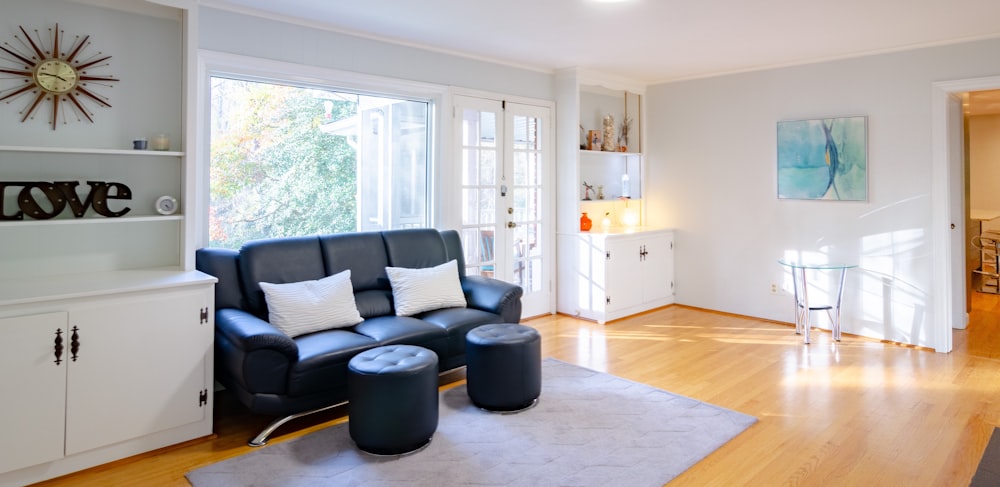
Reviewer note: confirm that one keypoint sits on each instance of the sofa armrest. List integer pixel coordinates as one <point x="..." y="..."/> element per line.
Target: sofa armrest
<point x="249" y="333"/>
<point x="495" y="296"/>
<point x="252" y="353"/>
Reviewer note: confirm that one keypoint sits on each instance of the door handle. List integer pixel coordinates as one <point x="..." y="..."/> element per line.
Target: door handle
<point x="511" y="224"/>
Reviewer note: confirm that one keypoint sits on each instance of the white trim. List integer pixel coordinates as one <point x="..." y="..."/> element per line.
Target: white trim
<point x="487" y="95"/>
<point x="826" y="59"/>
<point x="942" y="202"/>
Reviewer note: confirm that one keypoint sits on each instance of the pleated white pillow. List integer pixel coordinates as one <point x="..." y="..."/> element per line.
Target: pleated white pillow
<point x="418" y="290"/>
<point x="297" y="308"/>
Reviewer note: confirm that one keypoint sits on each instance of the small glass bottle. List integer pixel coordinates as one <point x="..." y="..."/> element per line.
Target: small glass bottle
<point x="585" y="223"/>
<point x="626" y="186"/>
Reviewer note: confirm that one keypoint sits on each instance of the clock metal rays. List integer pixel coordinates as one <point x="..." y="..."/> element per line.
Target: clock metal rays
<point x="52" y="70"/>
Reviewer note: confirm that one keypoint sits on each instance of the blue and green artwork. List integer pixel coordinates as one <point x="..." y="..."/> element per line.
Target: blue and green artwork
<point x="823" y="159"/>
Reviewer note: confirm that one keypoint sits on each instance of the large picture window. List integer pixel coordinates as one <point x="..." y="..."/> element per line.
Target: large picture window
<point x="291" y="160"/>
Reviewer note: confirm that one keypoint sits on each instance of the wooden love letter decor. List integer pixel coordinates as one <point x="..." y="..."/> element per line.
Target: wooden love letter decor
<point x="58" y="195"/>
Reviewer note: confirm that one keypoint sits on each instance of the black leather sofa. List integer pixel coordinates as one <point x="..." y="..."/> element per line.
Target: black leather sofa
<point x="273" y="374"/>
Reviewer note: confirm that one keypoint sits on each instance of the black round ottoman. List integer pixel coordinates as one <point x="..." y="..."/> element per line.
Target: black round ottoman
<point x="393" y="403"/>
<point x="503" y="366"/>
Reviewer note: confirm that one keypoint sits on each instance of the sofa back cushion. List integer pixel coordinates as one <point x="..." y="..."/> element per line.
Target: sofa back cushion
<point x="415" y="248"/>
<point x="364" y="254"/>
<point x="224" y="265"/>
<point x="278" y="261"/>
<point x="453" y="248"/>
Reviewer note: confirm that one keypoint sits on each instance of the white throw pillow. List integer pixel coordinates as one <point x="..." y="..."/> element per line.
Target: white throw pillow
<point x="418" y="290"/>
<point x="298" y="308"/>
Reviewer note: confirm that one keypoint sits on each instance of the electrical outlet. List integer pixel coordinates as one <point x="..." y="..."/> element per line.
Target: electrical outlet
<point x="774" y="288"/>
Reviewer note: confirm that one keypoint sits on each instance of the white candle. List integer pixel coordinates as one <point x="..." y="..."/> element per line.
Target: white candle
<point x="160" y="142"/>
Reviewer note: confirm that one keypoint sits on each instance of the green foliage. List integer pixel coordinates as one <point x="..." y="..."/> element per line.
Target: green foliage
<point x="274" y="172"/>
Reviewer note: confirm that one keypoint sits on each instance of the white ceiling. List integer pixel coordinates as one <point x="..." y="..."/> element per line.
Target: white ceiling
<point x="648" y="41"/>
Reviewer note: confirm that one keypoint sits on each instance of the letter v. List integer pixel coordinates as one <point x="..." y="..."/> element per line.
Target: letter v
<point x="68" y="188"/>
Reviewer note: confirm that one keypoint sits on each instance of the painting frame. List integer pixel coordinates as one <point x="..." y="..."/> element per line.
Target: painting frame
<point x="823" y="159"/>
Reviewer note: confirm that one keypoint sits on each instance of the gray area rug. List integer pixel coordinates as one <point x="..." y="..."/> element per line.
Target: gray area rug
<point x="588" y="429"/>
<point x="988" y="472"/>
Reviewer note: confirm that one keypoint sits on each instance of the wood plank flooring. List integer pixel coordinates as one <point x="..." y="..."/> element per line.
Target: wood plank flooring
<point x="858" y="412"/>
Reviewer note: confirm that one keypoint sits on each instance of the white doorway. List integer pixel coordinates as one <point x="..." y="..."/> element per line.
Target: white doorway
<point x="949" y="213"/>
<point x="505" y="154"/>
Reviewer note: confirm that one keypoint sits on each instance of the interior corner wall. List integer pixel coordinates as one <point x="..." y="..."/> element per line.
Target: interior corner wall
<point x="712" y="177"/>
<point x="248" y="35"/>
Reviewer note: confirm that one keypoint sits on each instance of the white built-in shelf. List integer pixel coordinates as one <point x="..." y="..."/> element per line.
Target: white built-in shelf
<point x="78" y="150"/>
<point x="27" y="222"/>
<point x="610" y="153"/>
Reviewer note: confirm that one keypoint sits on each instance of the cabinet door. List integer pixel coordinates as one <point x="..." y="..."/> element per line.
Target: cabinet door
<point x="657" y="267"/>
<point x="623" y="268"/>
<point x="141" y="367"/>
<point x="34" y="389"/>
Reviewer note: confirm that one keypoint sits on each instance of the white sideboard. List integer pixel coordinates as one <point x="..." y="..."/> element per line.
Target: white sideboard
<point x="605" y="276"/>
<point x="98" y="367"/>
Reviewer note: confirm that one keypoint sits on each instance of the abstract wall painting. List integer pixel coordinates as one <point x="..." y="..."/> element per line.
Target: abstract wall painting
<point x="823" y="159"/>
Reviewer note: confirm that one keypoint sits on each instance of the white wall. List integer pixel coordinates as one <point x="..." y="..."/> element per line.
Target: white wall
<point x="247" y="35"/>
<point x="143" y="103"/>
<point x="713" y="178"/>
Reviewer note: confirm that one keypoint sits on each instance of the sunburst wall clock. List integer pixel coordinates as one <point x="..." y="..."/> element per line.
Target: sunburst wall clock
<point x="50" y="70"/>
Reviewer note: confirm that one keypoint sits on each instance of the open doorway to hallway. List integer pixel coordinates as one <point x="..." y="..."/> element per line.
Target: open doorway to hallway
<point x="981" y="125"/>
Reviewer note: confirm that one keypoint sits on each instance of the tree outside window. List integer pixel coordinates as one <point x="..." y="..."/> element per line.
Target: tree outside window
<point x="289" y="161"/>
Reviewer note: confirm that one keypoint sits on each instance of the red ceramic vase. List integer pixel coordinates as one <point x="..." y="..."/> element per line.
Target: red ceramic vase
<point x="585" y="223"/>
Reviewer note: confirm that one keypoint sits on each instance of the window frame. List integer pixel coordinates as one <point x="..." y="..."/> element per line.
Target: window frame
<point x="219" y="64"/>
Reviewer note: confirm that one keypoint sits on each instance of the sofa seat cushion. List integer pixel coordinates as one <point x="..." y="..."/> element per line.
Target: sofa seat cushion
<point x="457" y="322"/>
<point x="323" y="358"/>
<point x="396" y="330"/>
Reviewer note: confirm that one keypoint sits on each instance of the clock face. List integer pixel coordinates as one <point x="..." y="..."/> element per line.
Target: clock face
<point x="55" y="76"/>
<point x="166" y="205"/>
<point x="49" y="71"/>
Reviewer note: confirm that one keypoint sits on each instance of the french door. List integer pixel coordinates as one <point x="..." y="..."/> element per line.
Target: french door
<point x="505" y="153"/>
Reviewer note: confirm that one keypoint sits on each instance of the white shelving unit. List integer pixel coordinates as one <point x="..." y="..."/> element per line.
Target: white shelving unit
<point x="587" y="275"/>
<point x="127" y="285"/>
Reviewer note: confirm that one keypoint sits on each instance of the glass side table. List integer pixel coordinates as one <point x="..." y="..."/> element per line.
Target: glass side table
<point x="801" y="293"/>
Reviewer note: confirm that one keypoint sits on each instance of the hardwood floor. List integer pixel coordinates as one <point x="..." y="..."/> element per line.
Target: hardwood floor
<point x="858" y="412"/>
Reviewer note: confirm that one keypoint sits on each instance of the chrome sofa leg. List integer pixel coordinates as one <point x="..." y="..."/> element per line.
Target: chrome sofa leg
<point x="261" y="438"/>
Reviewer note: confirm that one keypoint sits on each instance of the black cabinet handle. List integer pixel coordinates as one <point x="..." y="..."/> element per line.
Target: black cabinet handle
<point x="74" y="344"/>
<point x="59" y="346"/>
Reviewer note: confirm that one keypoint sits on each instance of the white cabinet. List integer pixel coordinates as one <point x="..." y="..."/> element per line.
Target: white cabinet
<point x="35" y="389"/>
<point x="94" y="373"/>
<point x="142" y="378"/>
<point x="607" y="276"/>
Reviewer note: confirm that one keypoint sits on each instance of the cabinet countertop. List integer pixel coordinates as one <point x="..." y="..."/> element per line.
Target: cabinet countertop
<point x="619" y="231"/>
<point x="74" y="286"/>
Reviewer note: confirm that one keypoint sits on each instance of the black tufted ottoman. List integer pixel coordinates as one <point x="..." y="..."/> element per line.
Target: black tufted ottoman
<point x="503" y="366"/>
<point x="393" y="406"/>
